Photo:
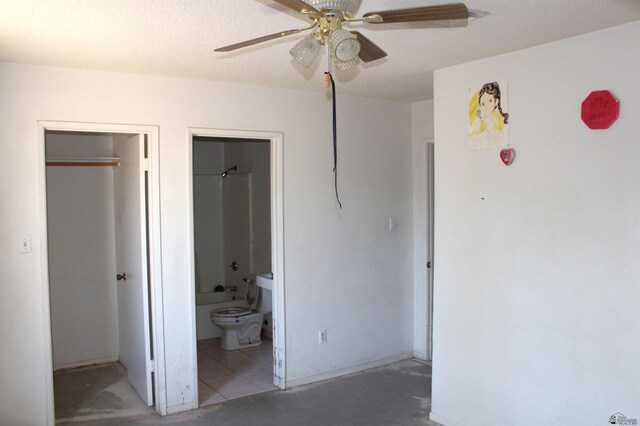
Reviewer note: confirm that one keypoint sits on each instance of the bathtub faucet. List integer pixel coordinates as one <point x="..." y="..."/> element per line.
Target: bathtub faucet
<point x="232" y="288"/>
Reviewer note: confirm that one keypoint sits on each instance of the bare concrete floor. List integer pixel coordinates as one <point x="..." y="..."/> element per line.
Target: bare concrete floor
<point x="398" y="394"/>
<point x="96" y="393"/>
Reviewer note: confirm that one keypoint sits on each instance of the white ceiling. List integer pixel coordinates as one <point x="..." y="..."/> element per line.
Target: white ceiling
<point x="177" y="38"/>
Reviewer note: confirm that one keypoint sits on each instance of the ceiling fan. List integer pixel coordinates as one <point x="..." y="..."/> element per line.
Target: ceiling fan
<point x="346" y="48"/>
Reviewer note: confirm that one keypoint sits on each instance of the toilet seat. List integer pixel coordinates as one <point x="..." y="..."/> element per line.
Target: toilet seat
<point x="241" y="326"/>
<point x="231" y="312"/>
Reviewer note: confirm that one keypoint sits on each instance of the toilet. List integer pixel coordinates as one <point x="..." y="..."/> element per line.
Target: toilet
<point x="241" y="325"/>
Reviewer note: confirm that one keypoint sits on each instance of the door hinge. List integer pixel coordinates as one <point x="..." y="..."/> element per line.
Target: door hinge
<point x="145" y="164"/>
<point x="429" y="264"/>
<point x="152" y="366"/>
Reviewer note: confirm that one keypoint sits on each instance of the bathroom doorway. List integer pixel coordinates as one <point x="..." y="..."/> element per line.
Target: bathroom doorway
<point x="100" y="191"/>
<point x="236" y="190"/>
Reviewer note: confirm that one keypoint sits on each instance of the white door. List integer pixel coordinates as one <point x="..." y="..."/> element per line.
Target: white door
<point x="131" y="259"/>
<point x="430" y="218"/>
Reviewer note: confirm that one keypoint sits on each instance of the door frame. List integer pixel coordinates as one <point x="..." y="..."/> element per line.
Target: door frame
<point x="154" y="249"/>
<point x="423" y="216"/>
<point x="429" y="182"/>
<point x="277" y="241"/>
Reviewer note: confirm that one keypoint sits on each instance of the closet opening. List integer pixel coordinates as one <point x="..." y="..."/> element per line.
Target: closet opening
<point x="103" y="272"/>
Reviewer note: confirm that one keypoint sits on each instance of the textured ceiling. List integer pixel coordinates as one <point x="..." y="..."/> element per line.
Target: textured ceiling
<point x="177" y="38"/>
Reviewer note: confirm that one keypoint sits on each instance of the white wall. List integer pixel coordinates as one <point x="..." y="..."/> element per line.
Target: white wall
<point x="344" y="271"/>
<point x="422" y="133"/>
<point x="253" y="157"/>
<point x="537" y="279"/>
<point x="208" y="160"/>
<point x="82" y="264"/>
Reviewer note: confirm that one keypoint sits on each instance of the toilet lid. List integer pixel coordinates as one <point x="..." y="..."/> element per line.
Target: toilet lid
<point x="231" y="312"/>
<point x="253" y="293"/>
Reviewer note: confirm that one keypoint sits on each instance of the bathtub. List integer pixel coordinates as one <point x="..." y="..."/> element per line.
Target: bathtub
<point x="207" y="302"/>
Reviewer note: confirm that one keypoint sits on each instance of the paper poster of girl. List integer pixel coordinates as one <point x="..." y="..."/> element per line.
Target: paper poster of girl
<point x="488" y="119"/>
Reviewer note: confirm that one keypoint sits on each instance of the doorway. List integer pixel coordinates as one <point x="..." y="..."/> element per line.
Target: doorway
<point x="100" y="190"/>
<point x="429" y="183"/>
<point x="423" y="249"/>
<point x="237" y="236"/>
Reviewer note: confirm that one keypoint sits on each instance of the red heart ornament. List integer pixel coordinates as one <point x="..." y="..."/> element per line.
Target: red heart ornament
<point x="507" y="156"/>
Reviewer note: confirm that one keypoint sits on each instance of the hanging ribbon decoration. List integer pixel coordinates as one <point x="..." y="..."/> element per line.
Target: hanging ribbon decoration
<point x="331" y="83"/>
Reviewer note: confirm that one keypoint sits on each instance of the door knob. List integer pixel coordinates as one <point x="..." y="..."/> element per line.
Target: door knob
<point x="122" y="276"/>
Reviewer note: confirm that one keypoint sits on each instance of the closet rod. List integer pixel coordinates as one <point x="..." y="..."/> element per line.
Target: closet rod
<point x="83" y="162"/>
<point x="219" y="174"/>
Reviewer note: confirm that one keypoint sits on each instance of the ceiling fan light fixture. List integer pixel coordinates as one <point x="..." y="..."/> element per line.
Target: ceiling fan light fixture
<point x="306" y="50"/>
<point x="349" y="6"/>
<point x="345" y="65"/>
<point x="344" y="45"/>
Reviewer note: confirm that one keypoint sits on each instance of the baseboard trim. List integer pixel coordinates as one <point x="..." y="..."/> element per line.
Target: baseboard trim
<point x="446" y="421"/>
<point x="85" y="363"/>
<point x="181" y="408"/>
<point x="420" y="355"/>
<point x="344" y="371"/>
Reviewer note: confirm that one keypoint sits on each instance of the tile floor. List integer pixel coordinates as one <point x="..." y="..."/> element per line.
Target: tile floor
<point x="225" y="375"/>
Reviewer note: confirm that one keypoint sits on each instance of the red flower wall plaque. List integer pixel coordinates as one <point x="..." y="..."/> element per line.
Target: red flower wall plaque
<point x="600" y="109"/>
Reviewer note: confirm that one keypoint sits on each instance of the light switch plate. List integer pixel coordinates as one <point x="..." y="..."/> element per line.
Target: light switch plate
<point x="25" y="244"/>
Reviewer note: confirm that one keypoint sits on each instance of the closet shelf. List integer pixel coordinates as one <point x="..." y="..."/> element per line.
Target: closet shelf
<point x="83" y="162"/>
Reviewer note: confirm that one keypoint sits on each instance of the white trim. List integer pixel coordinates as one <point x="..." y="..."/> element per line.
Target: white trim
<point x="155" y="249"/>
<point x="277" y="242"/>
<point x="422" y="248"/>
<point x="85" y="363"/>
<point x="446" y="421"/>
<point x="349" y="370"/>
<point x="420" y="356"/>
<point x="44" y="274"/>
<point x="429" y="217"/>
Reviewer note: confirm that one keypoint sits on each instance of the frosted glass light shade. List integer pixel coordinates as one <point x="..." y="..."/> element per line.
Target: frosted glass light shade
<point x="306" y="50"/>
<point x="349" y="6"/>
<point x="344" y="48"/>
<point x="345" y="65"/>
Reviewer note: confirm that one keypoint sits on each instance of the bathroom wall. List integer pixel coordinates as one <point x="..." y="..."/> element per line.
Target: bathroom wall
<point x="84" y="311"/>
<point x="236" y="201"/>
<point x="537" y="279"/>
<point x="254" y="157"/>
<point x="208" y="162"/>
<point x="329" y="252"/>
<point x="225" y="224"/>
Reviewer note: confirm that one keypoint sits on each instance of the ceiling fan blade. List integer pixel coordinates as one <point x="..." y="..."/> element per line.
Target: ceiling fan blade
<point x="253" y="41"/>
<point x="369" y="51"/>
<point x="298" y="5"/>
<point x="440" y="12"/>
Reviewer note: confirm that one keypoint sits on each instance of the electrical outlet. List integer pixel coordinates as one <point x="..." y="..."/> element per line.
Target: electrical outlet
<point x="322" y="336"/>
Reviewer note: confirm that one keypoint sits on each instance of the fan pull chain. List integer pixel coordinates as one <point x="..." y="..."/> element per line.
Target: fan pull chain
<point x="330" y="82"/>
